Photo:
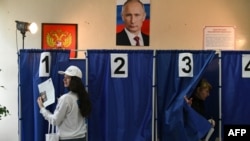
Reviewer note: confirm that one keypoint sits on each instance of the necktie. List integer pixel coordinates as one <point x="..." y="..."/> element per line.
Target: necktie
<point x="136" y="38"/>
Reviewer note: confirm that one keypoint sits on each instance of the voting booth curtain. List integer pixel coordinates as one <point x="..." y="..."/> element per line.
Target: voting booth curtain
<point x="32" y="126"/>
<point x="178" y="72"/>
<point x="235" y="92"/>
<point x="120" y="85"/>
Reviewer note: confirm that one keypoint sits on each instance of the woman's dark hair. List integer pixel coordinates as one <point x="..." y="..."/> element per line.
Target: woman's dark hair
<point x="84" y="102"/>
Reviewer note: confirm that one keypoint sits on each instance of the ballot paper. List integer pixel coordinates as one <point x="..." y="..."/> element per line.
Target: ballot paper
<point x="47" y="92"/>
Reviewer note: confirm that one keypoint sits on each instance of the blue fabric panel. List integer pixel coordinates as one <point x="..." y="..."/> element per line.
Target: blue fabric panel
<point x="176" y="120"/>
<point x="122" y="107"/>
<point x="235" y="89"/>
<point x="32" y="125"/>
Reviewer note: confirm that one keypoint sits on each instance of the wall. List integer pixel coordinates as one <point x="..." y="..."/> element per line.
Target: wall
<point x="175" y="24"/>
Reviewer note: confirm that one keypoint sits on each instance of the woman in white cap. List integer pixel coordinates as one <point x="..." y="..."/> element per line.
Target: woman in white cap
<point x="72" y="108"/>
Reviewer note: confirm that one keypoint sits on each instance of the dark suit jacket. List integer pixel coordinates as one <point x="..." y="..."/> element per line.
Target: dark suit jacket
<point x="122" y="39"/>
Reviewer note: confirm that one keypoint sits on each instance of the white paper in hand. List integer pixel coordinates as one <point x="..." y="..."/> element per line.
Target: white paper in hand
<point x="47" y="92"/>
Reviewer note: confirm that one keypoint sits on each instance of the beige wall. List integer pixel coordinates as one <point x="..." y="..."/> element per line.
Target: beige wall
<point x="175" y="24"/>
<point x="178" y="24"/>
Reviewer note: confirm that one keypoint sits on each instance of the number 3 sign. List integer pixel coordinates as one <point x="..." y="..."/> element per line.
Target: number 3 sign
<point x="119" y="65"/>
<point x="185" y="65"/>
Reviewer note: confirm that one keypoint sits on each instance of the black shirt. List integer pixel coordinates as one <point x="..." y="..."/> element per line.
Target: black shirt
<point x="199" y="106"/>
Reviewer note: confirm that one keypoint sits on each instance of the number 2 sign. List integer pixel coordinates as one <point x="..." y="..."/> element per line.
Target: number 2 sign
<point x="119" y="65"/>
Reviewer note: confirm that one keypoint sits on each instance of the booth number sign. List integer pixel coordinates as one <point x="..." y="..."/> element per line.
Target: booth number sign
<point x="45" y="63"/>
<point x="245" y="65"/>
<point x="186" y="65"/>
<point x="119" y="65"/>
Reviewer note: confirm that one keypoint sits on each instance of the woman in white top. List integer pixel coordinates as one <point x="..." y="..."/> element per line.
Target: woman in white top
<point x="72" y="108"/>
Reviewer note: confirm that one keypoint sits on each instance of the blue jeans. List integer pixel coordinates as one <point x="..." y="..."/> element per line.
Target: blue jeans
<point x="79" y="139"/>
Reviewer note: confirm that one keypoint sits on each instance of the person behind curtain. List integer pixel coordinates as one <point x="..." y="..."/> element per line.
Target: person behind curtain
<point x="197" y="99"/>
<point x="133" y="15"/>
<point x="72" y="108"/>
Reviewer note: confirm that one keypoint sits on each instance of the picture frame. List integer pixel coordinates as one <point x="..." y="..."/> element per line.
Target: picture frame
<point x="121" y="35"/>
<point x="60" y="36"/>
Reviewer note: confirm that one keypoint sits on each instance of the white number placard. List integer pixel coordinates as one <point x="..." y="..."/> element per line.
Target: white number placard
<point x="245" y="65"/>
<point x="45" y="63"/>
<point x="185" y="65"/>
<point x="119" y="65"/>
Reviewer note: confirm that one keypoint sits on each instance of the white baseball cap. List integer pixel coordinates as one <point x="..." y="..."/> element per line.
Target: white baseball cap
<point x="72" y="71"/>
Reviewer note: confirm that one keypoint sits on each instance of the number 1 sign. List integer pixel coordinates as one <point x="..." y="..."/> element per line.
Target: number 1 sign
<point x="44" y="66"/>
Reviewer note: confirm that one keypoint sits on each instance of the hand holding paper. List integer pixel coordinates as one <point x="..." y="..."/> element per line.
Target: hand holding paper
<point x="47" y="92"/>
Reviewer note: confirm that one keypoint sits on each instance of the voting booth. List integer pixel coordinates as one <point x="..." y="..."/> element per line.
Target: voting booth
<point x="35" y="67"/>
<point x="137" y="95"/>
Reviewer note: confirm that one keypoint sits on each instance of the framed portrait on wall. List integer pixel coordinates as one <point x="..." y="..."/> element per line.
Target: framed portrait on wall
<point x="133" y="23"/>
<point x="60" y="36"/>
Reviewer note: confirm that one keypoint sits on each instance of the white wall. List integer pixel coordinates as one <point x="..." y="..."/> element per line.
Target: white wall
<point x="175" y="24"/>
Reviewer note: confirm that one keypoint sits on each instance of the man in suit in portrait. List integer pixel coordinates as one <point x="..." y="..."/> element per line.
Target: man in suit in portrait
<point x="133" y="15"/>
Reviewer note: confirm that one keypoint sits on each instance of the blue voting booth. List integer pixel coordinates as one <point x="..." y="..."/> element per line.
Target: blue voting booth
<point x="137" y="95"/>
